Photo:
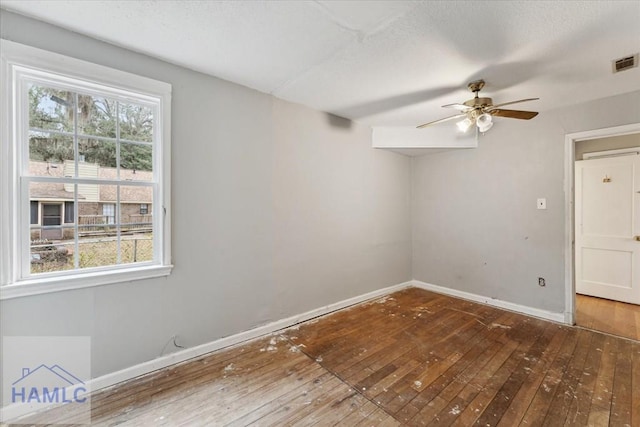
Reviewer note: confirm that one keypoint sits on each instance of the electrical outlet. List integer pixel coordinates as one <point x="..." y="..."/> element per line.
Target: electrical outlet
<point x="541" y="281"/>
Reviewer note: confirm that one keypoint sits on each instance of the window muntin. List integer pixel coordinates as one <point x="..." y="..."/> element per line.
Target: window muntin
<point x="62" y="128"/>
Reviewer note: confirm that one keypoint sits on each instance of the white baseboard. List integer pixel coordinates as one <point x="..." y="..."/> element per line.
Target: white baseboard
<point x="14" y="411"/>
<point x="530" y="311"/>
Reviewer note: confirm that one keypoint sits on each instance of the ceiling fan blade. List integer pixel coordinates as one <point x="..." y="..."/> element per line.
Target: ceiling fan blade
<point x="460" y="107"/>
<point x="513" y="114"/>
<point x="441" y="120"/>
<point x="509" y="103"/>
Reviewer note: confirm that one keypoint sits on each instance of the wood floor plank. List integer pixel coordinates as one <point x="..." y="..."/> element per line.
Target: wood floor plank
<point x="413" y="358"/>
<point x="472" y="400"/>
<point x="451" y="394"/>
<point x="245" y="396"/>
<point x="635" y="384"/>
<point x="521" y="401"/>
<point x="445" y="388"/>
<point x="438" y="374"/>
<point x="287" y="403"/>
<point x="542" y="400"/>
<point x="612" y="317"/>
<point x="622" y="382"/>
<point x="566" y="392"/>
<point x="510" y="388"/>
<point x="303" y="407"/>
<point x="579" y="410"/>
<point x="362" y="413"/>
<point x="526" y="339"/>
<point x="599" y="411"/>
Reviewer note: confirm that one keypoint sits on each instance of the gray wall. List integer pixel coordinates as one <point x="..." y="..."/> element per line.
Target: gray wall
<point x="277" y="209"/>
<point x="475" y="223"/>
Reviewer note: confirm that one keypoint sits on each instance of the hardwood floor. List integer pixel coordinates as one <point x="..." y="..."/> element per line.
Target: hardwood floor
<point x="612" y="317"/>
<point x="413" y="358"/>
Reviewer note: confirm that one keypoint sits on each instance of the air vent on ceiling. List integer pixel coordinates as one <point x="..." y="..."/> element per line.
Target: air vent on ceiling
<point x="625" y="63"/>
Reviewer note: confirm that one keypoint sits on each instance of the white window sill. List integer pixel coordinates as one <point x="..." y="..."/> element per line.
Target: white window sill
<point x="81" y="280"/>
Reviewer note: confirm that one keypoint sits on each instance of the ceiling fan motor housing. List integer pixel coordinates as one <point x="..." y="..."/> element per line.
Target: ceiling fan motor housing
<point x="479" y="102"/>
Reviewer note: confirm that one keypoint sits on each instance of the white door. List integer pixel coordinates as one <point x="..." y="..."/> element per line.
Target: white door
<point x="607" y="207"/>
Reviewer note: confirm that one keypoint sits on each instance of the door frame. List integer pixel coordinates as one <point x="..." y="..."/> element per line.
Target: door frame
<point x="569" y="206"/>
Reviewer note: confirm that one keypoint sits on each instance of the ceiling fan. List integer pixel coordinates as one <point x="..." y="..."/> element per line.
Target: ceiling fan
<point x="480" y="111"/>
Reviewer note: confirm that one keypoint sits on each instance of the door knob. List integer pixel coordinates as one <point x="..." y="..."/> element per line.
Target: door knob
<point x="637" y="238"/>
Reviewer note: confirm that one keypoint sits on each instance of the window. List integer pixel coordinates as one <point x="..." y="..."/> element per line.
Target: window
<point x="144" y="209"/>
<point x="34" y="212"/>
<point x="109" y="213"/>
<point x="82" y="145"/>
<point x="68" y="212"/>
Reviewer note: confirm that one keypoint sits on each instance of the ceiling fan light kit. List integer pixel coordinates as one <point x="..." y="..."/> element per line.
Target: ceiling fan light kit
<point x="464" y="125"/>
<point x="480" y="111"/>
<point x="484" y="122"/>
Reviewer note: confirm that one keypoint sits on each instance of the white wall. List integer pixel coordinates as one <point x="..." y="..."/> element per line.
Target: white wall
<point x="475" y="223"/>
<point x="277" y="209"/>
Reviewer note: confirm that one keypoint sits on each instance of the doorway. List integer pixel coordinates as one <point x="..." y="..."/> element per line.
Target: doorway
<point x="594" y="273"/>
<point x="607" y="256"/>
<point x="51" y="221"/>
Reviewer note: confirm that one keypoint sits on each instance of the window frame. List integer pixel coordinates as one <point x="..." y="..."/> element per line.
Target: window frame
<point x="18" y="62"/>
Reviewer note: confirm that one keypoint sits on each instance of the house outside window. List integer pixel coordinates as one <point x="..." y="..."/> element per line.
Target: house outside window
<point x="89" y="144"/>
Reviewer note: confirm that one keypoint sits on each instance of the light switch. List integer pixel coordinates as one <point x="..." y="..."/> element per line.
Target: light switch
<point x="542" y="203"/>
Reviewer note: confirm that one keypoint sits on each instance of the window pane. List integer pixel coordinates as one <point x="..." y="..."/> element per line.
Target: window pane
<point x="90" y="218"/>
<point x="136" y="122"/>
<point x="135" y="209"/>
<point x="137" y="248"/>
<point x="50" y="155"/>
<point x="50" y="212"/>
<point x="99" y="248"/>
<point x="136" y="204"/>
<point x="97" y="229"/>
<point x="47" y="256"/>
<point x="91" y="212"/>
<point x="98" y="153"/>
<point x="50" y="109"/>
<point x="138" y="158"/>
<point x="137" y="224"/>
<point x="52" y="245"/>
<point x="96" y="116"/>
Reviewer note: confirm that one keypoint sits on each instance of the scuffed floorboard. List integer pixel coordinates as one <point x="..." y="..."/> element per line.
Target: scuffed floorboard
<point x="412" y="358"/>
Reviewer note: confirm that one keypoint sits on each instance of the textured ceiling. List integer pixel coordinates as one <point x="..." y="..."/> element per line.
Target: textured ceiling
<point x="383" y="63"/>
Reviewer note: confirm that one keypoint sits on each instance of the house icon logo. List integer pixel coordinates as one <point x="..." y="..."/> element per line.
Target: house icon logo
<point x="48" y="384"/>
